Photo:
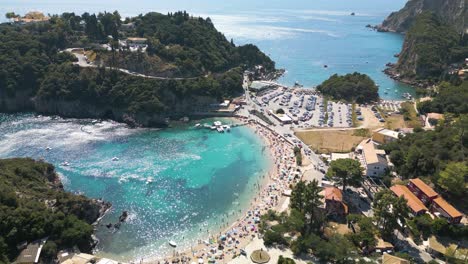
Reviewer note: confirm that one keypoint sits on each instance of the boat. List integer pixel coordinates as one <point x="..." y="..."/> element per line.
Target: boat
<point x="65" y="163"/>
<point x="198" y="125"/>
<point x="115" y="159"/>
<point x="172" y="243"/>
<point x="149" y="180"/>
<point x="220" y="129"/>
<point x="213" y="127"/>
<point x="325" y="66"/>
<point x="217" y="123"/>
<point x="48" y="148"/>
<point x="227" y="128"/>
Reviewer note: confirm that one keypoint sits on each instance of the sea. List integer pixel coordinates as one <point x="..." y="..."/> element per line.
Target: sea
<point x="181" y="183"/>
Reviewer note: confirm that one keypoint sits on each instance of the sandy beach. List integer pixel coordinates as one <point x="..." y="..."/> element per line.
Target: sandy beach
<point x="226" y="246"/>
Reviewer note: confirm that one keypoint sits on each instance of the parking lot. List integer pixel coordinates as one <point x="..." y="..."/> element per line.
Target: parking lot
<point x="306" y="108"/>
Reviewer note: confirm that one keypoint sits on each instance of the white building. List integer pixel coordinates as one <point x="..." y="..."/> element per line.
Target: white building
<point x="384" y="136"/>
<point x="283" y="118"/>
<point x="373" y="160"/>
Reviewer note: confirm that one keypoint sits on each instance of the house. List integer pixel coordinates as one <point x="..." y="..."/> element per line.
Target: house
<point x="438" y="206"/>
<point x="416" y="206"/>
<point x="135" y="44"/>
<point x="383" y="246"/>
<point x="127" y="27"/>
<point x="373" y="160"/>
<point x="333" y="202"/>
<point x="80" y="258"/>
<point x="31" y="253"/>
<point x="390" y="259"/>
<point x="425" y="193"/>
<point x="31" y="17"/>
<point x="442" y="208"/>
<point x="384" y="136"/>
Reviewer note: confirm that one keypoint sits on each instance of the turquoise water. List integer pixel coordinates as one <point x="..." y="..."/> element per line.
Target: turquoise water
<point x="199" y="176"/>
<point x="300" y="35"/>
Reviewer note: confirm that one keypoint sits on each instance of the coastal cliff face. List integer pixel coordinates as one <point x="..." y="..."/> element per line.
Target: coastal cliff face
<point x="80" y="109"/>
<point x="433" y="39"/>
<point x="452" y="12"/>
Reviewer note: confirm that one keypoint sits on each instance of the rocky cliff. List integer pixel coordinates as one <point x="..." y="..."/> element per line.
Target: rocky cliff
<point x="452" y="12"/>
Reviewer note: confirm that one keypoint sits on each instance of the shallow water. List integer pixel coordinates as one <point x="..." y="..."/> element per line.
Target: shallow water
<point x="199" y="177"/>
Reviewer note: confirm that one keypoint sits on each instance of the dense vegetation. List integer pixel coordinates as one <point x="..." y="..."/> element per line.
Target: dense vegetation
<point x="36" y="76"/>
<point x="33" y="205"/>
<point x="354" y="87"/>
<point x="451" y="98"/>
<point x="430" y="46"/>
<point x="191" y="44"/>
<point x="432" y="153"/>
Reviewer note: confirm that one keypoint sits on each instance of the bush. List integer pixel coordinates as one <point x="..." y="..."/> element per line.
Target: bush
<point x="271" y="238"/>
<point x="49" y="251"/>
<point x="282" y="260"/>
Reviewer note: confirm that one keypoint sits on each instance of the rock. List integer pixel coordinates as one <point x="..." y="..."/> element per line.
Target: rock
<point x="123" y="216"/>
<point x="449" y="11"/>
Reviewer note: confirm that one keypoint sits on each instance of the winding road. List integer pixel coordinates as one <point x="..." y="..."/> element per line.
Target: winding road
<point x="82" y="62"/>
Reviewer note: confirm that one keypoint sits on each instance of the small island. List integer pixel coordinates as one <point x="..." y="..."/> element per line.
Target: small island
<point x="354" y="87"/>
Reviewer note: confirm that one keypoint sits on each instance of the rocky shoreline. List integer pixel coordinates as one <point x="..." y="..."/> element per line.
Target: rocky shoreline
<point x="393" y="73"/>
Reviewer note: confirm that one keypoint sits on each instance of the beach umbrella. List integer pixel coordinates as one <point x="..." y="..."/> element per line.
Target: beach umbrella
<point x="200" y="260"/>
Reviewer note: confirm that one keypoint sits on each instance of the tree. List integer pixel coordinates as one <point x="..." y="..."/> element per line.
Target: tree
<point x="389" y="211"/>
<point x="354" y="87"/>
<point x="283" y="260"/>
<point x="346" y="172"/>
<point x="453" y="178"/>
<point x="10" y="15"/>
<point x="306" y="199"/>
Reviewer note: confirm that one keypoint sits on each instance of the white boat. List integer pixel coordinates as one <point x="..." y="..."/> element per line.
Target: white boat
<point x="65" y="163"/>
<point x="115" y="159"/>
<point x="227" y="128"/>
<point x="172" y="243"/>
<point x="48" y="148"/>
<point x="217" y="123"/>
<point x="149" y="180"/>
<point x="213" y="127"/>
<point x="198" y="125"/>
<point x="220" y="129"/>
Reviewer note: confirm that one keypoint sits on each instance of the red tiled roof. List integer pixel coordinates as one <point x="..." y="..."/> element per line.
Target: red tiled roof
<point x="413" y="202"/>
<point x="333" y="193"/>
<point x="454" y="213"/>
<point x="428" y="191"/>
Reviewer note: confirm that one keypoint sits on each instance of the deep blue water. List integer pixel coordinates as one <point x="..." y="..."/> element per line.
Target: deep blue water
<point x="300" y="35"/>
<point x="198" y="176"/>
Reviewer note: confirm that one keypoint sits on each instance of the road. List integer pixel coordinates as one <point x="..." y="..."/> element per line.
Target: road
<point x="82" y="62"/>
<point x="281" y="130"/>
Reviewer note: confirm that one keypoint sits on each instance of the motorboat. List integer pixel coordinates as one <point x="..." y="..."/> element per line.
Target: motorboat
<point x="172" y="243"/>
<point x="198" y="125"/>
<point x="149" y="180"/>
<point x="115" y="159"/>
<point x="65" y="163"/>
<point x="48" y="148"/>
